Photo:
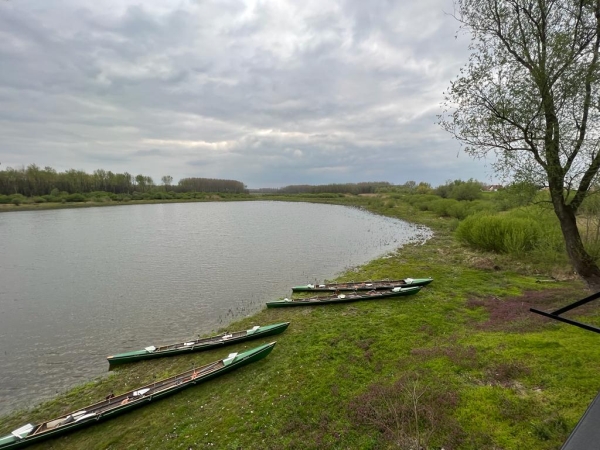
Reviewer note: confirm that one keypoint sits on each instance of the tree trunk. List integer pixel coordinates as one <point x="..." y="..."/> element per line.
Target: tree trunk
<point x="582" y="262"/>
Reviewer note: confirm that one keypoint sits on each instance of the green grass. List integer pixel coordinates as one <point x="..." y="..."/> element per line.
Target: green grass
<point x="490" y="374"/>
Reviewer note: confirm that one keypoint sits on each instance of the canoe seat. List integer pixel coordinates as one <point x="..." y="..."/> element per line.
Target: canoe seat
<point x="229" y="359"/>
<point x="54" y="423"/>
<point x="23" y="431"/>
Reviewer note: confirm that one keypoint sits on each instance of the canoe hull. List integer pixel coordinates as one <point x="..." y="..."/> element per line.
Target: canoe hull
<point x="269" y="330"/>
<point x="364" y="286"/>
<point x="346" y="299"/>
<point x="245" y="358"/>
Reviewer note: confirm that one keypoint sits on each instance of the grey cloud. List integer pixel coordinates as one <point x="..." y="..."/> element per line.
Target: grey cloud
<point x="269" y="93"/>
<point x="150" y="152"/>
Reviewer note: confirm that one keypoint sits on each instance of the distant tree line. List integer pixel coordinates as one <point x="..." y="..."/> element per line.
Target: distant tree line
<point x="34" y="181"/>
<point x="210" y="185"/>
<point x="345" y="188"/>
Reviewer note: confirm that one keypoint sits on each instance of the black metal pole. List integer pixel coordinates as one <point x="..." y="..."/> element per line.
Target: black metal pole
<point x="565" y="320"/>
<point x="577" y="304"/>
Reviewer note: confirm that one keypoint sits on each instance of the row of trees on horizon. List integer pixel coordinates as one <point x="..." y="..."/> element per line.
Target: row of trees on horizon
<point x="34" y="181"/>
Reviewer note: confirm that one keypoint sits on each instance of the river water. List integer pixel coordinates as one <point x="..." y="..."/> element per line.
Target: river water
<point x="79" y="284"/>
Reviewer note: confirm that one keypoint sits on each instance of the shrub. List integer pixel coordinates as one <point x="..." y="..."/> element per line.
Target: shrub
<point x="460" y="190"/>
<point x="518" y="194"/>
<point x="422" y="201"/>
<point x="500" y="233"/>
<point x="421" y="198"/>
<point x="18" y="199"/>
<point x="469" y="190"/>
<point x="479" y="206"/>
<point x="456" y="209"/>
<point x="71" y="198"/>
<point x="160" y="195"/>
<point x="441" y="206"/>
<point x="423" y="188"/>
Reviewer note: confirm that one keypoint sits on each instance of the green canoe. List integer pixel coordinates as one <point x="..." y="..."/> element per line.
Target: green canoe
<point x="363" y="285"/>
<point x="114" y="405"/>
<point x="197" y="345"/>
<point x="343" y="298"/>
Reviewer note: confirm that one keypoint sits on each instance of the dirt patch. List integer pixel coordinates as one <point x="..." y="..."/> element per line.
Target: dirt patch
<point x="413" y="412"/>
<point x="484" y="264"/>
<point x="512" y="313"/>
<point x="506" y="374"/>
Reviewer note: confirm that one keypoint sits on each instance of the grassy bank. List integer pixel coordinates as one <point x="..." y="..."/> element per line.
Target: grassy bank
<point x="461" y="365"/>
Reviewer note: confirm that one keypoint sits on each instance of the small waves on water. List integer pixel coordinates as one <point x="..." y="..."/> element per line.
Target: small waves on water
<point x="79" y="284"/>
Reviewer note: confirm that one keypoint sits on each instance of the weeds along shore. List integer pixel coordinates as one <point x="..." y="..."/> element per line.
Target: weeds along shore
<point x="461" y="365"/>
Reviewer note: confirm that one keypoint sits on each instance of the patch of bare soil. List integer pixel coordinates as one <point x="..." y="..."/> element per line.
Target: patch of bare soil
<point x="483" y="263"/>
<point x="512" y="313"/>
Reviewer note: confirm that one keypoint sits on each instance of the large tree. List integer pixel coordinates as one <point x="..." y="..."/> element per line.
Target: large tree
<point x="530" y="94"/>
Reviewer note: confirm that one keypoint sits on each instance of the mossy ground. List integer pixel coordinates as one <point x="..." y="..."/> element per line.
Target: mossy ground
<point x="464" y="357"/>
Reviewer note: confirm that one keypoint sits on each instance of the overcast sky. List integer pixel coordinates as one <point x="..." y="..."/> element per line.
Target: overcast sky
<point x="269" y="92"/>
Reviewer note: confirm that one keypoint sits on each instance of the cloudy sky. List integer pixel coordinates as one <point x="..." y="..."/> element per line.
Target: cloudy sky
<point x="267" y="92"/>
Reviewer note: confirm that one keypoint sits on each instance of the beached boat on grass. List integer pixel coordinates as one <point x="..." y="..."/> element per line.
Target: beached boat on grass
<point x="363" y="285"/>
<point x="344" y="298"/>
<point x="114" y="405"/>
<point x="197" y="345"/>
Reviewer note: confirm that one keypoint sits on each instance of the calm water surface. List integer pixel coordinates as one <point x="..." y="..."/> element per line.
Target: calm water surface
<point x="79" y="284"/>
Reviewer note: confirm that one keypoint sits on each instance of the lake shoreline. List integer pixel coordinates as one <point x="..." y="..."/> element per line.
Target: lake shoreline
<point x="130" y="286"/>
<point x="452" y="338"/>
<point x="9" y="207"/>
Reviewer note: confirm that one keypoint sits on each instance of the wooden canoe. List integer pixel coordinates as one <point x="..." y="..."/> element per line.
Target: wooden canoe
<point x="197" y="345"/>
<point x="343" y="298"/>
<point x="363" y="285"/>
<point x="114" y="405"/>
